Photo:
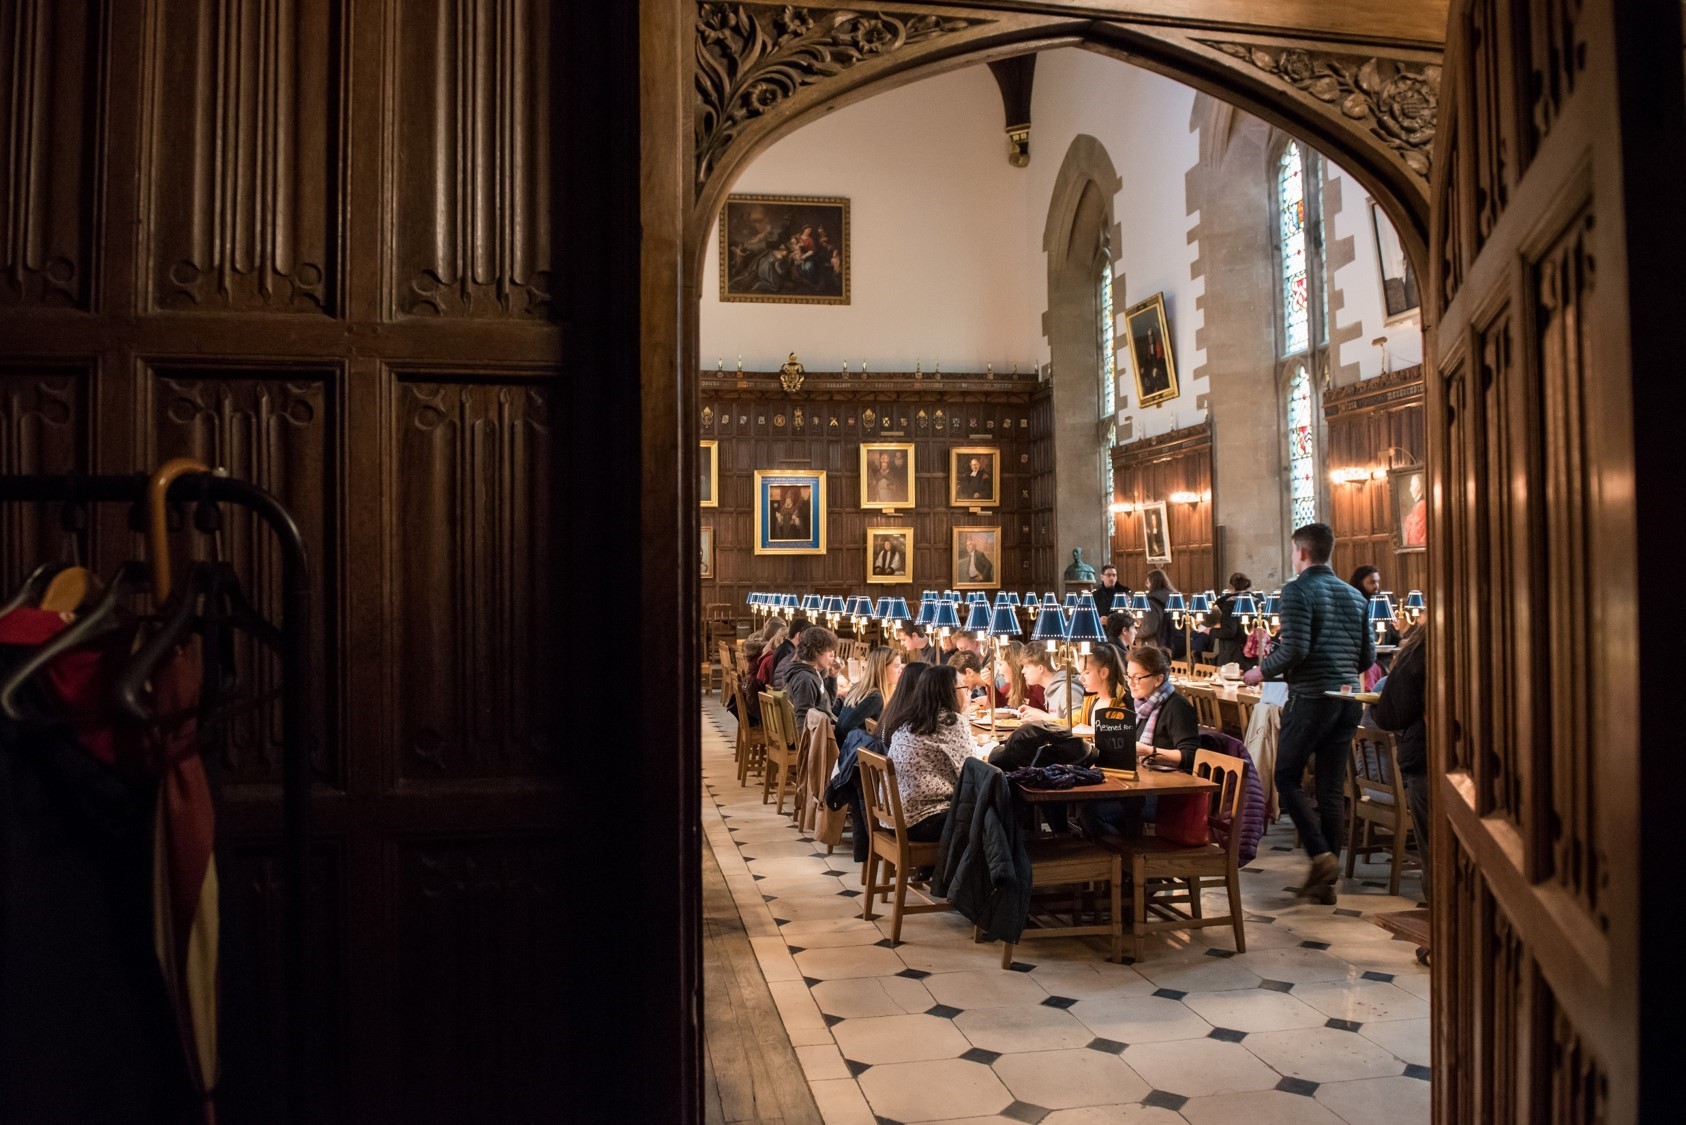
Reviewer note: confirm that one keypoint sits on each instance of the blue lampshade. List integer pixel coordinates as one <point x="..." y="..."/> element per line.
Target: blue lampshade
<point x="928" y="611"/>
<point x="1085" y="626"/>
<point x="1174" y="603"/>
<point x="881" y="611"/>
<point x="1071" y="601"/>
<point x="1030" y="601"/>
<point x="898" y="611"/>
<point x="928" y="596"/>
<point x="1245" y="606"/>
<point x="749" y="599"/>
<point x="833" y="605"/>
<point x="947" y="617"/>
<point x="790" y="601"/>
<point x="977" y="619"/>
<point x="812" y="603"/>
<point x="1200" y="604"/>
<point x="1013" y="599"/>
<point x="1001" y="598"/>
<point x="1003" y="622"/>
<point x="1050" y="623"/>
<point x="1414" y="600"/>
<point x="1049" y="598"/>
<point x="1381" y="610"/>
<point x="1139" y="603"/>
<point x="1086" y="598"/>
<point x="1273" y="605"/>
<point x="860" y="606"/>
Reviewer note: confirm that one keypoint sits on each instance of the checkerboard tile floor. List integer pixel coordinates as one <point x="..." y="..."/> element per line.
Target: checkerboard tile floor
<point x="1324" y="1019"/>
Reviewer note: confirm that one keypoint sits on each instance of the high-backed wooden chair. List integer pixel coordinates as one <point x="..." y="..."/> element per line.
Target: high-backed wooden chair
<point x="752" y="741"/>
<point x="1232" y="716"/>
<point x="1167" y="877"/>
<point x="778" y="722"/>
<point x="889" y="846"/>
<point x="1070" y="861"/>
<point x="728" y="663"/>
<point x="1205" y="704"/>
<point x="1380" y="816"/>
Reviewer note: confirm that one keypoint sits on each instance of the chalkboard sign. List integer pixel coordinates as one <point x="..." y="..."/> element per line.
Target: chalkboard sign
<point x="1115" y="739"/>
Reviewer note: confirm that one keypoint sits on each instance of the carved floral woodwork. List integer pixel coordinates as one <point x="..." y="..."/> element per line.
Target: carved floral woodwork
<point x="751" y="57"/>
<point x="1398" y="100"/>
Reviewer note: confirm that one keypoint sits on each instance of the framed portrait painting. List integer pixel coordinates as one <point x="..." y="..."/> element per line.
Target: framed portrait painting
<point x="1410" y="508"/>
<point x="886" y="475"/>
<point x="1156" y="533"/>
<point x="705" y="535"/>
<point x="974" y="476"/>
<point x="1399" y="280"/>
<point x="889" y="555"/>
<point x="785" y="249"/>
<point x="977" y="558"/>
<point x="1151" y="362"/>
<point x="708" y="474"/>
<point x="789" y="512"/>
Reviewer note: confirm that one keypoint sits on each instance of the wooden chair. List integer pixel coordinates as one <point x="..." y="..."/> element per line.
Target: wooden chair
<point x="1205" y="705"/>
<point x="1233" y="716"/>
<point x="728" y="664"/>
<point x="1181" y="668"/>
<point x="752" y="740"/>
<point x="778" y="723"/>
<point x="1178" y="872"/>
<point x="1376" y="803"/>
<point x="888" y="844"/>
<point x="1069" y="861"/>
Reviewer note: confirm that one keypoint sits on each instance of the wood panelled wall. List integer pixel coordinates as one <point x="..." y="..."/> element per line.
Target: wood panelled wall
<point x="342" y="250"/>
<point x="1377" y="425"/>
<point x="1153" y="469"/>
<point x="761" y="426"/>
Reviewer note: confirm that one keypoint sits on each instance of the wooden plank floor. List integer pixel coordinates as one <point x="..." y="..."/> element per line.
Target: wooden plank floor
<point x="751" y="1073"/>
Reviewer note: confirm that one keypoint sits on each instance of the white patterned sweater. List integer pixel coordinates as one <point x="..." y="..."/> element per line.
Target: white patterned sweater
<point x="928" y="767"/>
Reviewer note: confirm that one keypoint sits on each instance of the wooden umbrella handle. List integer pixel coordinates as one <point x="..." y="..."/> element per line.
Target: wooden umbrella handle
<point x="158" y="524"/>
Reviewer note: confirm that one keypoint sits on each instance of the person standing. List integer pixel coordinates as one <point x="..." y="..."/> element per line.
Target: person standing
<point x="1156" y="627"/>
<point x="1324" y="645"/>
<point x="1227" y="628"/>
<point x="1110" y="594"/>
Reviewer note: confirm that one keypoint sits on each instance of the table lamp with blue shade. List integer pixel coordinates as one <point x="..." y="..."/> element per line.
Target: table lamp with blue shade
<point x="1050" y="624"/>
<point x="1070" y="602"/>
<point x="1245" y="609"/>
<point x="1200" y="603"/>
<point x="1415" y="604"/>
<point x="1085" y="629"/>
<point x="947" y="618"/>
<point x="860" y="606"/>
<point x="928" y="611"/>
<point x="882" y="610"/>
<point x="1003" y="622"/>
<point x="1138" y="603"/>
<point x="833" y="606"/>
<point x="1381" y="613"/>
<point x="1087" y="598"/>
<point x="977" y="619"/>
<point x="790" y="602"/>
<point x="1271" y="611"/>
<point x="1174" y="603"/>
<point x="812" y="603"/>
<point x="1031" y="603"/>
<point x="1013" y="600"/>
<point x="898" y="612"/>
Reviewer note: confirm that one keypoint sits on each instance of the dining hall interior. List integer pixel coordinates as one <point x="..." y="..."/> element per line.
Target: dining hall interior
<point x="1124" y="575"/>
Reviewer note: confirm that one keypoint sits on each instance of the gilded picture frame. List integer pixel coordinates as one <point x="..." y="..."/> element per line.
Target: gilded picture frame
<point x="895" y="567"/>
<point x="784" y="250"/>
<point x="1152" y="365"/>
<point x="1156" y="533"/>
<point x="977" y="558"/>
<point x="790" y="512"/>
<point x="708" y="474"/>
<point x="887" y="475"/>
<point x="1408" y="496"/>
<point x="705" y="536"/>
<point x="974" y="476"/>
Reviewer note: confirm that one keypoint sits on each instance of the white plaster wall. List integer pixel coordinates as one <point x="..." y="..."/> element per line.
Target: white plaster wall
<point x="1142" y="121"/>
<point x="1360" y="280"/>
<point x="941" y="231"/>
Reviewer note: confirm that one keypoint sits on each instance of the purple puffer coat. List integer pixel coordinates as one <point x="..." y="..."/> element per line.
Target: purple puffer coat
<point x="1253" y="808"/>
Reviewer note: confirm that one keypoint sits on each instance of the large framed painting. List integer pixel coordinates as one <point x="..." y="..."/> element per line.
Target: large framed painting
<point x="1399" y="280"/>
<point x="785" y="249"/>
<point x="886" y="475"/>
<point x="1156" y="533"/>
<point x="708" y="474"/>
<point x="706" y="536"/>
<point x="889" y="555"/>
<point x="789" y="512"/>
<point x="1151" y="362"/>
<point x="1410" y="508"/>
<point x="974" y="476"/>
<point x="977" y="558"/>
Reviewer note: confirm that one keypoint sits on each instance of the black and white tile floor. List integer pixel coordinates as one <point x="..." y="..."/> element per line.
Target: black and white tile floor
<point x="1324" y="1019"/>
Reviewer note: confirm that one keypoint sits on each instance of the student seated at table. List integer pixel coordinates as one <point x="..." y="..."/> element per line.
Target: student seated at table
<point x="1048" y="686"/>
<point x="916" y="646"/>
<point x="969" y="666"/>
<point x="1010" y="680"/>
<point x="928" y="739"/>
<point x="808" y="680"/>
<point x="867" y="698"/>
<point x="1103" y="683"/>
<point x="785" y="656"/>
<point x="772" y="637"/>
<point x="1167" y="733"/>
<point x="1120" y="630"/>
<point x="752" y="687"/>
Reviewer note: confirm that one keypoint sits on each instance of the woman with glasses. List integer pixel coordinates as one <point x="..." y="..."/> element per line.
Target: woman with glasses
<point x="1167" y="733"/>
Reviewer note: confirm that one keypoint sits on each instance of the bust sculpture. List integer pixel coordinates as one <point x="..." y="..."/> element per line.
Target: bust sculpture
<point x="1079" y="571"/>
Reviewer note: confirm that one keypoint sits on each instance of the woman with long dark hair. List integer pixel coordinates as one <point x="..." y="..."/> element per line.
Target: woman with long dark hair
<point x="928" y="741"/>
<point x="1156" y="627"/>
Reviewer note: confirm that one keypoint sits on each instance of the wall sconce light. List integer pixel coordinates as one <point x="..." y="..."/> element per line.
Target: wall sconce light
<point x="1206" y="496"/>
<point x="1378" y="474"/>
<point x="1185" y="497"/>
<point x="1122" y="507"/>
<point x="1351" y="476"/>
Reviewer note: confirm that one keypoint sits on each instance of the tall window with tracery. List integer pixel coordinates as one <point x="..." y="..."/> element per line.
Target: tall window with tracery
<point x="1108" y="389"/>
<point x="1304" y="328"/>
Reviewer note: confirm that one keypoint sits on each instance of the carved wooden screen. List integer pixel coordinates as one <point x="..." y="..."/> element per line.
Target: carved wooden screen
<point x="1545" y="200"/>
<point x="369" y="256"/>
<point x="1175" y="464"/>
<point x="1373" y="425"/>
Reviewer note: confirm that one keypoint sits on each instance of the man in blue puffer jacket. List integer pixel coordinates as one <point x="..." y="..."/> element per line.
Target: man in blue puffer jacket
<point x="1324" y="643"/>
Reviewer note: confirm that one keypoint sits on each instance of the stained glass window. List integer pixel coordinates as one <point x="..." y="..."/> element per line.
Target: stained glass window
<point x="1109" y="390"/>
<point x="1302" y="449"/>
<point x="1291" y="219"/>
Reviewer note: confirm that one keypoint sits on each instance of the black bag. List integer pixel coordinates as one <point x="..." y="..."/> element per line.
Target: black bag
<point x="1039" y="744"/>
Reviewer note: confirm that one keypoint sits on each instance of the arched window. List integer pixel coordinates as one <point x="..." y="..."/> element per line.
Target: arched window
<point x="1109" y="386"/>
<point x="1305" y="333"/>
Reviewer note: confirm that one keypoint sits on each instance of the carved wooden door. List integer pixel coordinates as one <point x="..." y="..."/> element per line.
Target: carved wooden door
<point x="1548" y="221"/>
